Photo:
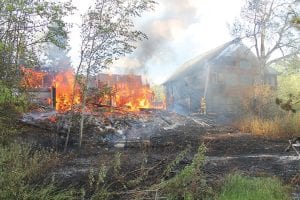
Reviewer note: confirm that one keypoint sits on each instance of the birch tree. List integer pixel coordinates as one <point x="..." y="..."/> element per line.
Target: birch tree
<point x="107" y="33"/>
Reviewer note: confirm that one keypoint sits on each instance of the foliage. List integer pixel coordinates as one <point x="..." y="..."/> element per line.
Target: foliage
<point x="288" y="91"/>
<point x="107" y="33"/>
<point x="7" y="129"/>
<point x="21" y="170"/>
<point x="175" y="162"/>
<point x="12" y="99"/>
<point x="288" y="104"/>
<point x="289" y="66"/>
<point x="189" y="183"/>
<point x="262" y="116"/>
<point x="286" y="126"/>
<point x="266" y="25"/>
<point x="239" y="187"/>
<point x="12" y="103"/>
<point x="24" y="26"/>
<point x="97" y="186"/>
<point x="288" y="84"/>
<point x="259" y="100"/>
<point x="117" y="163"/>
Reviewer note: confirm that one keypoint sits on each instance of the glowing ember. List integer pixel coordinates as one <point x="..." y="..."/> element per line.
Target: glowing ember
<point x="31" y="78"/>
<point x="64" y="83"/>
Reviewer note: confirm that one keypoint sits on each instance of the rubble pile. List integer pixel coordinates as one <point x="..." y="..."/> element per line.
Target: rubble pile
<point x="121" y="129"/>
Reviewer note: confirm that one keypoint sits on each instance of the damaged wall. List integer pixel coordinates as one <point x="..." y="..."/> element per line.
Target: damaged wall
<point x="223" y="76"/>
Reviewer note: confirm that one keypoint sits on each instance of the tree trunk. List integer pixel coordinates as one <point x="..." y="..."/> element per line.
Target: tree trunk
<point x="84" y="93"/>
<point x="72" y="102"/>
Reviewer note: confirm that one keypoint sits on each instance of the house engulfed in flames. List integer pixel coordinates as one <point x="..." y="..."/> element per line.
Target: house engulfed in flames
<point x="57" y="89"/>
<point x="223" y="76"/>
<point x="124" y="91"/>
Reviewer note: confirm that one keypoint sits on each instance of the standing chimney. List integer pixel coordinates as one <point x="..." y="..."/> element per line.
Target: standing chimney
<point x="53" y="93"/>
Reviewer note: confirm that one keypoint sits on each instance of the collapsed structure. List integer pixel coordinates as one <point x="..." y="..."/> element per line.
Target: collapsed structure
<point x="223" y="76"/>
<point x="126" y="90"/>
<point x="59" y="90"/>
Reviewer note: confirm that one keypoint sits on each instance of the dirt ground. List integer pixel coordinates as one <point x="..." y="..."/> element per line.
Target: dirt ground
<point x="228" y="151"/>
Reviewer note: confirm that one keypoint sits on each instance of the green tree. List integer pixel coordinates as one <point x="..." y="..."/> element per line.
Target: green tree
<point x="289" y="66"/>
<point x="24" y="26"/>
<point x="107" y="33"/>
<point x="288" y="91"/>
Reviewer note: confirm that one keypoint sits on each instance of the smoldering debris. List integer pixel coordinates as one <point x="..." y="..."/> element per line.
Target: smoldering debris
<point x="124" y="129"/>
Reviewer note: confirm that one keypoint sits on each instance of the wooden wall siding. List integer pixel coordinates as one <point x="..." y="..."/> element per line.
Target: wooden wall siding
<point x="230" y="78"/>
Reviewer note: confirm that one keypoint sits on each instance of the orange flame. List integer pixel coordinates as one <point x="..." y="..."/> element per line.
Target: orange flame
<point x="64" y="84"/>
<point x="133" y="96"/>
<point x="31" y="78"/>
<point x="126" y="91"/>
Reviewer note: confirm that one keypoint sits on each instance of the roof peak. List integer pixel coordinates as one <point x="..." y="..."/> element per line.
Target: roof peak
<point x="206" y="56"/>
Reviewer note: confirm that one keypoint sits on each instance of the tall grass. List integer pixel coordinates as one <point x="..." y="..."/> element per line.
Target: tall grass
<point x="22" y="174"/>
<point x="286" y="126"/>
<point x="238" y="187"/>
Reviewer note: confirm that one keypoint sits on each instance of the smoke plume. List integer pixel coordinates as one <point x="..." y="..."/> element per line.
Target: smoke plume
<point x="175" y="16"/>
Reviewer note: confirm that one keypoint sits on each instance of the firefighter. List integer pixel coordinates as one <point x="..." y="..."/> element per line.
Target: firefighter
<point x="203" y="106"/>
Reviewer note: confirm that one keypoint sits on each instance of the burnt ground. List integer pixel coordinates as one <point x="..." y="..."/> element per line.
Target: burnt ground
<point x="228" y="151"/>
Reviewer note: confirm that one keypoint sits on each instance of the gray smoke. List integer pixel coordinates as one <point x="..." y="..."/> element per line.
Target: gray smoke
<point x="177" y="16"/>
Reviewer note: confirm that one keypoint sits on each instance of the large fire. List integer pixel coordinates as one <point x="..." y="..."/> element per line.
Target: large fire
<point x="123" y="91"/>
<point x="31" y="78"/>
<point x="65" y="94"/>
<point x="133" y="97"/>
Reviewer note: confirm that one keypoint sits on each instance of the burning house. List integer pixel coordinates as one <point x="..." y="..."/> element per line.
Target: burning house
<point x="51" y="88"/>
<point x="112" y="90"/>
<point x="223" y="76"/>
<point x="126" y="90"/>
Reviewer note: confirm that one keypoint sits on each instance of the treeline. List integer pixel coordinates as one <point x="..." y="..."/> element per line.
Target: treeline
<point x="25" y="26"/>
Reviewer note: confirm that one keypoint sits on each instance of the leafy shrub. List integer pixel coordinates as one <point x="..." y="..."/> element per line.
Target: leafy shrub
<point x="238" y="187"/>
<point x="12" y="104"/>
<point x="190" y="182"/>
<point x="12" y="99"/>
<point x="258" y="100"/>
<point x="22" y="171"/>
<point x="289" y="84"/>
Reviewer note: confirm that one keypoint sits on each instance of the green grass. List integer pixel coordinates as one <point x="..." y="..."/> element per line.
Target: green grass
<point x="238" y="187"/>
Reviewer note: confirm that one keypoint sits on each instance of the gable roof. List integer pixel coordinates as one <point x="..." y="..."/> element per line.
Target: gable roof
<point x="214" y="55"/>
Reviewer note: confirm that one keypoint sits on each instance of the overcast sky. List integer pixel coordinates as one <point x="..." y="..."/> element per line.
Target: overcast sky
<point x="178" y="30"/>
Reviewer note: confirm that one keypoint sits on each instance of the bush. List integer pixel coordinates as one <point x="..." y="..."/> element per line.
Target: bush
<point x="238" y="187"/>
<point x="258" y="100"/>
<point x="12" y="104"/>
<point x="12" y="99"/>
<point x="22" y="171"/>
